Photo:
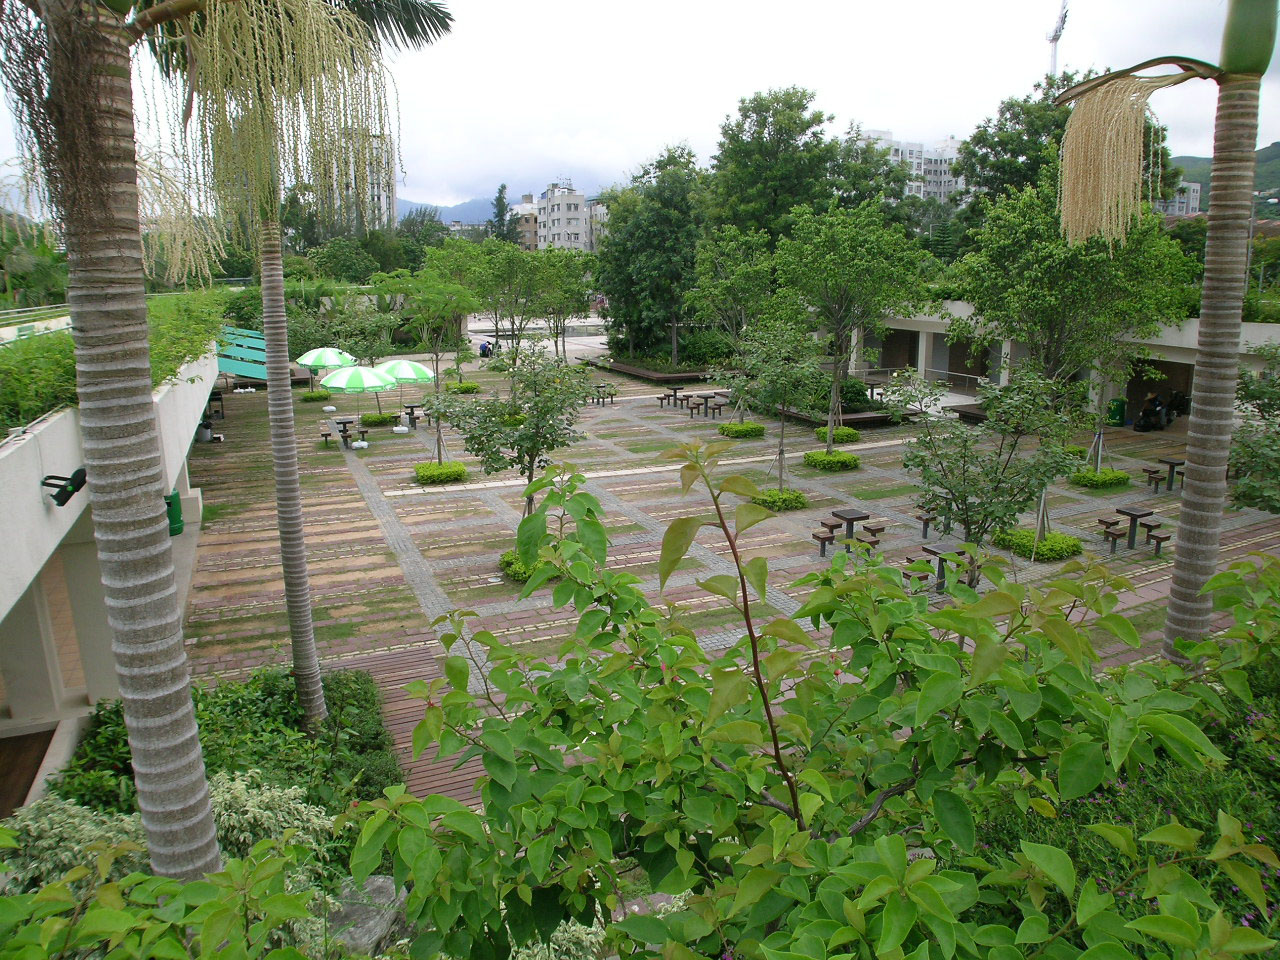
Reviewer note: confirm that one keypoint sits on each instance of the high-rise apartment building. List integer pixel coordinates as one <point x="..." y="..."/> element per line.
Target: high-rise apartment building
<point x="562" y="218"/>
<point x="929" y="170"/>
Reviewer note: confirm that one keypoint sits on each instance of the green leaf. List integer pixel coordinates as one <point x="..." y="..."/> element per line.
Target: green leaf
<point x="1091" y="902"/>
<point x="539" y="856"/>
<point x="729" y="687"/>
<point x="593" y="539"/>
<point x="955" y="818"/>
<point x="1120" y="628"/>
<point x="748" y="515"/>
<point x="1166" y="928"/>
<point x="1175" y="835"/>
<point x="757" y="573"/>
<point x="1034" y="929"/>
<point x="1243" y="940"/>
<point x="1248" y="880"/>
<point x="740" y="485"/>
<point x="1006" y="730"/>
<point x="722" y="585"/>
<point x="817" y="781"/>
<point x="988" y="655"/>
<point x="897" y="919"/>
<point x="1053" y="863"/>
<point x="457" y="671"/>
<point x="788" y="630"/>
<point x="1108" y="950"/>
<point x="645" y="928"/>
<point x="752" y="887"/>
<point x="1080" y="770"/>
<point x="1181" y="729"/>
<point x="781" y="662"/>
<point x="997" y="603"/>
<point x="737" y="731"/>
<point x="675" y="544"/>
<point x="563" y="593"/>
<point x="529" y="537"/>
<point x="937" y="693"/>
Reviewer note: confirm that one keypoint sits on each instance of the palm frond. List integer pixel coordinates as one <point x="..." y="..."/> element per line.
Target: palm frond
<point x="404" y="24"/>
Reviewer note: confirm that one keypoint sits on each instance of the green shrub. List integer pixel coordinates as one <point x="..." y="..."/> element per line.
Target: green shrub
<point x="462" y="386"/>
<point x="782" y="500"/>
<point x="841" y="435"/>
<point x="251" y="724"/>
<point x="54" y="835"/>
<point x="432" y="473"/>
<point x="1055" y="546"/>
<point x="314" y="396"/>
<point x="1076" y="450"/>
<point x="831" y="462"/>
<point x="513" y="567"/>
<point x="742" y="431"/>
<point x="705" y="347"/>
<point x="378" y="419"/>
<point x="1100" y="479"/>
<point x="244" y="308"/>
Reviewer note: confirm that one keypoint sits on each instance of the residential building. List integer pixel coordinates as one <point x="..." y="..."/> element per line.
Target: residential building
<point x="929" y="169"/>
<point x="597" y="223"/>
<point x="1185" y="202"/>
<point x="526" y="213"/>
<point x="562" y="217"/>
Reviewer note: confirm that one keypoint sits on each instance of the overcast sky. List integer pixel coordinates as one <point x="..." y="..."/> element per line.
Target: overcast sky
<point x="527" y="92"/>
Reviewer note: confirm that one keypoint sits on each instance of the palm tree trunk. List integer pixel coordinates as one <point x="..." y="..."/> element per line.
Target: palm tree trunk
<point x="125" y="468"/>
<point x="1212" y="419"/>
<point x="284" y="457"/>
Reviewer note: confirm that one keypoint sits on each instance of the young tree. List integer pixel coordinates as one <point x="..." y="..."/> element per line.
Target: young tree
<point x="505" y="279"/>
<point x="344" y="259"/>
<point x="521" y="430"/>
<point x="733" y="281"/>
<point x="505" y="224"/>
<point x="775" y="155"/>
<point x="1100" y="194"/>
<point x="776" y="365"/>
<point x="563" y="292"/>
<point x="982" y="477"/>
<point x="364" y="332"/>
<point x="850" y="269"/>
<point x="645" y="261"/>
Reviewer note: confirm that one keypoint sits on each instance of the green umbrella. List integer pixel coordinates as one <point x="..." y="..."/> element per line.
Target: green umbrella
<point x="406" y="371"/>
<point x="358" y="380"/>
<point x="322" y="358"/>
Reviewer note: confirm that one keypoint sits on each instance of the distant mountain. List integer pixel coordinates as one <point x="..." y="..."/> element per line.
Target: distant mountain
<point x="1266" y="179"/>
<point x="469" y="211"/>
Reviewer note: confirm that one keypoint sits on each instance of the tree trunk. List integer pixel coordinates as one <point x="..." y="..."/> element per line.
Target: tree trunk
<point x="839" y="370"/>
<point x="125" y="468"/>
<point x="782" y="450"/>
<point x="284" y="457"/>
<point x="675" y="343"/>
<point x="1213" y="391"/>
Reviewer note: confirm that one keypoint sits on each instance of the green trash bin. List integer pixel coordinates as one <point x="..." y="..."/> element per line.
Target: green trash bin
<point x="1115" y="412"/>
<point x="174" y="505"/>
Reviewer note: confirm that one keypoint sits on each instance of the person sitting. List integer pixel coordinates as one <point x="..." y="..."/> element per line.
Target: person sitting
<point x="485" y="349"/>
<point x="1148" y="416"/>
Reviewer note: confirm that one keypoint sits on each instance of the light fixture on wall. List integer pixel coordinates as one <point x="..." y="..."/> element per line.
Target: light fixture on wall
<point x="64" y="487"/>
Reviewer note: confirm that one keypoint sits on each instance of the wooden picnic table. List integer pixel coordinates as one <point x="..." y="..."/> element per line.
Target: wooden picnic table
<point x="1173" y="463"/>
<point x="939" y="552"/>
<point x="1134" y="514"/>
<point x="704" y="401"/>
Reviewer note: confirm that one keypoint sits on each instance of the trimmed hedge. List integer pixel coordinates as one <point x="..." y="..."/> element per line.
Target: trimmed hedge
<point x="1055" y="546"/>
<point x="747" y="430"/>
<point x="842" y="435"/>
<point x="429" y="473"/>
<point x="831" y="462"/>
<point x="379" y="419"/>
<point x="314" y="396"/>
<point x="513" y="567"/>
<point x="782" y="500"/>
<point x="1100" y="479"/>
<point x="462" y="386"/>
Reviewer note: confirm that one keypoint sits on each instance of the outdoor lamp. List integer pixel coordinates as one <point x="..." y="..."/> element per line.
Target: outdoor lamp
<point x="64" y="487"/>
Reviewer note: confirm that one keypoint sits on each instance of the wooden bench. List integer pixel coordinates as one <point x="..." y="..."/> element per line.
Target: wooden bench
<point x="1108" y="523"/>
<point x="717" y="408"/>
<point x="1115" y="536"/>
<point x="869" y="418"/>
<point x="875" y="529"/>
<point x="823" y="537"/>
<point x="832" y="526"/>
<point x="870" y="541"/>
<point x="325" y="435"/>
<point x="925" y="519"/>
<point x="364" y="433"/>
<point x="1149" y="525"/>
<point x="1154" y="475"/>
<point x="1182" y="478"/>
<point x="971" y="413"/>
<point x="1159" y="539"/>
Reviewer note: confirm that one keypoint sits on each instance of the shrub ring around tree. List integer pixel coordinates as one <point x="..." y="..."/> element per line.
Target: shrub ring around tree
<point x="747" y="430"/>
<point x="841" y="435"/>
<point x="378" y="419"/>
<point x="1100" y="479"/>
<point x="462" y="386"/>
<point x="511" y="565"/>
<point x="780" y="501"/>
<point x="314" y="396"/>
<point x="833" y="462"/>
<point x="434" y="473"/>
<point x="1054" y="546"/>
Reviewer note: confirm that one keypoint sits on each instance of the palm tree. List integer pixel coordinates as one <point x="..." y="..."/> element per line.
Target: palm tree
<point x="1102" y="201"/>
<point x="269" y="111"/>
<point x="66" y="65"/>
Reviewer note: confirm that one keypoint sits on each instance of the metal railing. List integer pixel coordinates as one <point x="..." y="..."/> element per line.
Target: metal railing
<point x="966" y="383"/>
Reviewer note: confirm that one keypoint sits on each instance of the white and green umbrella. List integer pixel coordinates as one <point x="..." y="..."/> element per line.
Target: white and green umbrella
<point x="358" y="380"/>
<point x="405" y="371"/>
<point x="324" y="358"/>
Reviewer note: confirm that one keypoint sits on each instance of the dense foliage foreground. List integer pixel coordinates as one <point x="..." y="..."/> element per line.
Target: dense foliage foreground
<point x="874" y="777"/>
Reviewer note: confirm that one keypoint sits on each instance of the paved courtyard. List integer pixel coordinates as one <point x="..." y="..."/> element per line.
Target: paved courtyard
<point x="387" y="556"/>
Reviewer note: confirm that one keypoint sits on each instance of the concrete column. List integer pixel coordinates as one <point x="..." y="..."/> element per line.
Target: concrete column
<point x="1006" y="362"/>
<point x="924" y="351"/>
<point x="29" y="659"/>
<point x="191" y="497"/>
<point x="89" y="612"/>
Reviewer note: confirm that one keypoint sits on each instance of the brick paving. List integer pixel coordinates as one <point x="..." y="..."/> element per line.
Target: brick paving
<point x="387" y="556"/>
